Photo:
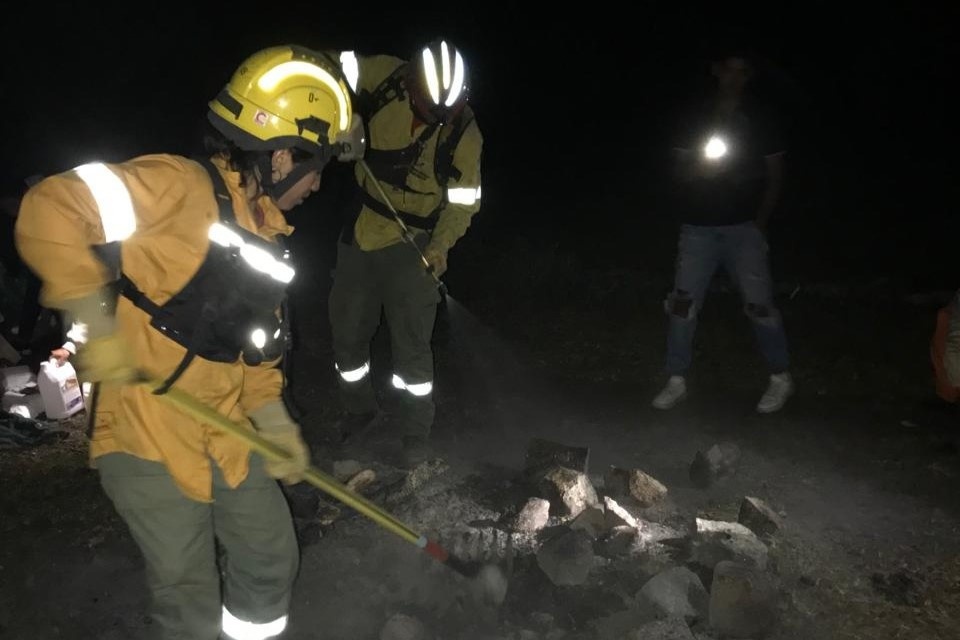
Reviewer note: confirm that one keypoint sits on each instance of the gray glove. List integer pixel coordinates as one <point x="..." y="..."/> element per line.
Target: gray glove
<point x="104" y="355"/>
<point x="274" y="423"/>
<point x="91" y="316"/>
<point x="354" y="142"/>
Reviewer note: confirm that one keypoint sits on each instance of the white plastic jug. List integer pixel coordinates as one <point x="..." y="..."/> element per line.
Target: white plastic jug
<point x="60" y="389"/>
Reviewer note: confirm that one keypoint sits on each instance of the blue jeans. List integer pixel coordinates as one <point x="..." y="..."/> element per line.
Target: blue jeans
<point x="742" y="250"/>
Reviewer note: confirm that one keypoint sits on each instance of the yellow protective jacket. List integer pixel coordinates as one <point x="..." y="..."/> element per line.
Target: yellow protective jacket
<point x="174" y="205"/>
<point x="395" y="126"/>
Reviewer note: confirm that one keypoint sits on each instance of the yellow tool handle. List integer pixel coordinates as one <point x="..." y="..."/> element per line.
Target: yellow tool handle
<point x="323" y="481"/>
<point x="404" y="230"/>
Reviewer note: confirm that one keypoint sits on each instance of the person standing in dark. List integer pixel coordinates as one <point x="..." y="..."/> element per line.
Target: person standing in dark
<point x="729" y="159"/>
<point x="21" y="330"/>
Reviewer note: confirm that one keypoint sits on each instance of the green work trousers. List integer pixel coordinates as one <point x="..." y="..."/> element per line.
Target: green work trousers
<point x="191" y="585"/>
<point x="393" y="282"/>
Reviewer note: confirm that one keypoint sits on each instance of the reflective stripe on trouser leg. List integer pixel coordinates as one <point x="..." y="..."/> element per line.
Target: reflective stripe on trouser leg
<point x="410" y="305"/>
<point x="354" y="310"/>
<point x="261" y="557"/>
<point x="415" y="407"/>
<point x="238" y="629"/>
<point x="416" y="389"/>
<point x="356" y="388"/>
<point x="176" y="537"/>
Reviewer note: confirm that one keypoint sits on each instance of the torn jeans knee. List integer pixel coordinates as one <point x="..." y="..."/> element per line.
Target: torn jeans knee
<point x="680" y="304"/>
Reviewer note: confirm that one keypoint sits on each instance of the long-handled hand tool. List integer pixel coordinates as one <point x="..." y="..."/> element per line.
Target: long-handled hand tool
<point x="493" y="581"/>
<point x="404" y="229"/>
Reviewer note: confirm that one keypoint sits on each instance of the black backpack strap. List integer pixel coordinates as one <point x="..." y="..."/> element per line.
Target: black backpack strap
<point x="220" y="191"/>
<point x="390" y="88"/>
<point x="227" y="214"/>
<point x="427" y="223"/>
<point x="130" y="291"/>
<point x="225" y="205"/>
<point x="206" y="320"/>
<point x="138" y="298"/>
<point x="447" y="146"/>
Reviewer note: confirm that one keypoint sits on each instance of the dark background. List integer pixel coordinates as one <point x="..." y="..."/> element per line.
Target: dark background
<point x="574" y="104"/>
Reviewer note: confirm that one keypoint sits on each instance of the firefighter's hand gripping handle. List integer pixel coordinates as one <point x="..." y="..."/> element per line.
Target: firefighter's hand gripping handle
<point x="314" y="476"/>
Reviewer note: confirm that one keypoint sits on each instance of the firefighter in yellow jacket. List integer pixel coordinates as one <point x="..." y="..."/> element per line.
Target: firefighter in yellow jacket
<point x="423" y="146"/>
<point x="174" y="267"/>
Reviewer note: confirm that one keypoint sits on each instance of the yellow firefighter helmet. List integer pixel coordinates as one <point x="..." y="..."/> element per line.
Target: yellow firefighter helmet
<point x="284" y="96"/>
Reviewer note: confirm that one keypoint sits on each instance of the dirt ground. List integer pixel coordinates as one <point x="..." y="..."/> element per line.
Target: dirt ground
<point x="863" y="464"/>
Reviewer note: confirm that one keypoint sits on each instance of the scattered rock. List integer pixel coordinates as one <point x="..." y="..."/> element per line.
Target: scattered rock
<point x="533" y="516"/>
<point x="742" y="601"/>
<point x="591" y="520"/>
<point x="567" y="558"/>
<point x="617" y="516"/>
<point x="756" y="515"/>
<point x="569" y="491"/>
<point x="716" y="541"/>
<point x="676" y="592"/>
<point x="719" y="462"/>
<point x="361" y="480"/>
<point x="655" y="532"/>
<point x="645" y="489"/>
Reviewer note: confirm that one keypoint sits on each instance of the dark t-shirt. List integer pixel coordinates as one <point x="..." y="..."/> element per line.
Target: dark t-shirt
<point x="721" y="172"/>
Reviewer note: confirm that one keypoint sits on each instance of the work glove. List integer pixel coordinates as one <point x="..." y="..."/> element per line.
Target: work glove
<point x="106" y="359"/>
<point x="354" y="142"/>
<point x="274" y="423"/>
<point x="103" y="355"/>
<point x="91" y="316"/>
<point x="437" y="258"/>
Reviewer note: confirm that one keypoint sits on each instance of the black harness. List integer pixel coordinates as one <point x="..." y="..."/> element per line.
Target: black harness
<point x="215" y="315"/>
<point x="394" y="165"/>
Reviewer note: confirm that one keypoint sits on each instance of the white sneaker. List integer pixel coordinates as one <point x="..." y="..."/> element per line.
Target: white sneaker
<point x="778" y="390"/>
<point x="674" y="392"/>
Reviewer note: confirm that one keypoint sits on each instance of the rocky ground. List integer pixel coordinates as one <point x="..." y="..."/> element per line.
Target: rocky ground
<point x="856" y="479"/>
<point x="559" y="339"/>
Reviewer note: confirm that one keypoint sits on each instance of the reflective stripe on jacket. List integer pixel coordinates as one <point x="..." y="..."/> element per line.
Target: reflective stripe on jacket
<point x="394" y="127"/>
<point x="172" y="205"/>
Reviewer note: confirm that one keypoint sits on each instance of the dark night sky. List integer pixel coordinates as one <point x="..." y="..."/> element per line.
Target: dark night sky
<point x="573" y="103"/>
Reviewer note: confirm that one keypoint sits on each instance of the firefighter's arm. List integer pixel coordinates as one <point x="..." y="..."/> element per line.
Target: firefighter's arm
<point x="262" y="401"/>
<point x="58" y="225"/>
<point x="951" y="356"/>
<point x="462" y="195"/>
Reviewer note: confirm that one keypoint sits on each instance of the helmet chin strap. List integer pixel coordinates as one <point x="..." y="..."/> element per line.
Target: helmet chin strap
<point x="276" y="190"/>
